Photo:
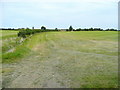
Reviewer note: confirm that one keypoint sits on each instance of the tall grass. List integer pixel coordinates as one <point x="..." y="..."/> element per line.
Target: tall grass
<point x="23" y="49"/>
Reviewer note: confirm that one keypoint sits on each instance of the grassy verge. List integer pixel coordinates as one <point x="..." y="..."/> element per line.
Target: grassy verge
<point x="23" y="49"/>
<point x="9" y="41"/>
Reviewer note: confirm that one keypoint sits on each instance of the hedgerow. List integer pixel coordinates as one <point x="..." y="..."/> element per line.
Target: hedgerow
<point x="27" y="32"/>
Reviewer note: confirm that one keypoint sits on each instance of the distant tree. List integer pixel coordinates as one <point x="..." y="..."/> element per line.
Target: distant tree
<point x="43" y="28"/>
<point x="33" y="28"/>
<point x="27" y="28"/>
<point x="70" y="28"/>
<point x="79" y="29"/>
<point x="91" y="29"/>
<point x="110" y="30"/>
<point x="85" y="29"/>
<point x="67" y="29"/>
<point x="74" y="29"/>
<point x="22" y="28"/>
<point x="56" y="29"/>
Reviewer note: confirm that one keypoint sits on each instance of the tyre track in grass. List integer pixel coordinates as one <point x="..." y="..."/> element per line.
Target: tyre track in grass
<point x="37" y="71"/>
<point x="62" y="62"/>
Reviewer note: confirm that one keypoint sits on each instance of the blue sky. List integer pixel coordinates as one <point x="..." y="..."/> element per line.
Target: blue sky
<point x="59" y="13"/>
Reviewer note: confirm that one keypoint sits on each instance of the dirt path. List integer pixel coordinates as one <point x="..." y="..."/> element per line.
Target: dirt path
<point x="60" y="60"/>
<point x="37" y="71"/>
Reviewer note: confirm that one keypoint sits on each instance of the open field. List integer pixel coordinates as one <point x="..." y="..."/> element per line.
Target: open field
<point x="6" y="34"/>
<point x="6" y="43"/>
<point x="85" y="59"/>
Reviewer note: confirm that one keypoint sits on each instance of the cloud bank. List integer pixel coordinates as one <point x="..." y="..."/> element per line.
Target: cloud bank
<point x="60" y="13"/>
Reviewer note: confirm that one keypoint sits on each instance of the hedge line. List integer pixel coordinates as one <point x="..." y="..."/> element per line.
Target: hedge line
<point x="27" y="32"/>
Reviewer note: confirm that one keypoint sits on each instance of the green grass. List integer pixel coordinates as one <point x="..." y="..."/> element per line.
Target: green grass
<point x="89" y="59"/>
<point x="21" y="50"/>
<point x="9" y="40"/>
<point x="7" y="33"/>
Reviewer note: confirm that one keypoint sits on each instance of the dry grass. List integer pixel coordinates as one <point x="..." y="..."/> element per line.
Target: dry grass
<point x="67" y="59"/>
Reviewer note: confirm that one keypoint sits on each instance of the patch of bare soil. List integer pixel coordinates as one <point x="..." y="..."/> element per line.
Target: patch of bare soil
<point x="36" y="71"/>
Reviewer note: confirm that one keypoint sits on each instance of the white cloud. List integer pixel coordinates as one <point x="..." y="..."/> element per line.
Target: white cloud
<point x="57" y="13"/>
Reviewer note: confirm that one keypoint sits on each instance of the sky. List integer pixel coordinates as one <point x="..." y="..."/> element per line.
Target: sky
<point x="59" y="13"/>
<point x="119" y="16"/>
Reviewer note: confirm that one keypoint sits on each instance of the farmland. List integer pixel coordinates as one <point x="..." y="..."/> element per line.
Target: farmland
<point x="83" y="59"/>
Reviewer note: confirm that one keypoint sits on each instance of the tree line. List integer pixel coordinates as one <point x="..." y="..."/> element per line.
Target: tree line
<point x="26" y="32"/>
<point x="89" y="29"/>
<point x="56" y="29"/>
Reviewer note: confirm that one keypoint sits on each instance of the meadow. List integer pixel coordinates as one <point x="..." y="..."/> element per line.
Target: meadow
<point x="80" y="59"/>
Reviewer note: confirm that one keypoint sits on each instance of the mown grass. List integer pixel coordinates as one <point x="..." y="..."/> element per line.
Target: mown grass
<point x="7" y="33"/>
<point x="94" y="42"/>
<point x="88" y="59"/>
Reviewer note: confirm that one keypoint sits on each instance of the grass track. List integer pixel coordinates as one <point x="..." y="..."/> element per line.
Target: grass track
<point x="83" y="59"/>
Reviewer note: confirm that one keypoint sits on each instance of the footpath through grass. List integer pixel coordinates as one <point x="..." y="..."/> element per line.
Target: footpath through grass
<point x="85" y="59"/>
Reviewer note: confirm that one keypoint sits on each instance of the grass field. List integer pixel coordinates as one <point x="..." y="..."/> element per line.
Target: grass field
<point x="85" y="59"/>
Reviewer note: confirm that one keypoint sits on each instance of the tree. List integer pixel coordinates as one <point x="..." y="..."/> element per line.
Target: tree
<point x="27" y="28"/>
<point x="90" y="29"/>
<point x="22" y="34"/>
<point x="32" y="28"/>
<point x="56" y="29"/>
<point x="70" y="28"/>
<point x="43" y="28"/>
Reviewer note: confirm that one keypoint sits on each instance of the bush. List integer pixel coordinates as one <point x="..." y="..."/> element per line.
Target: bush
<point x="27" y="32"/>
